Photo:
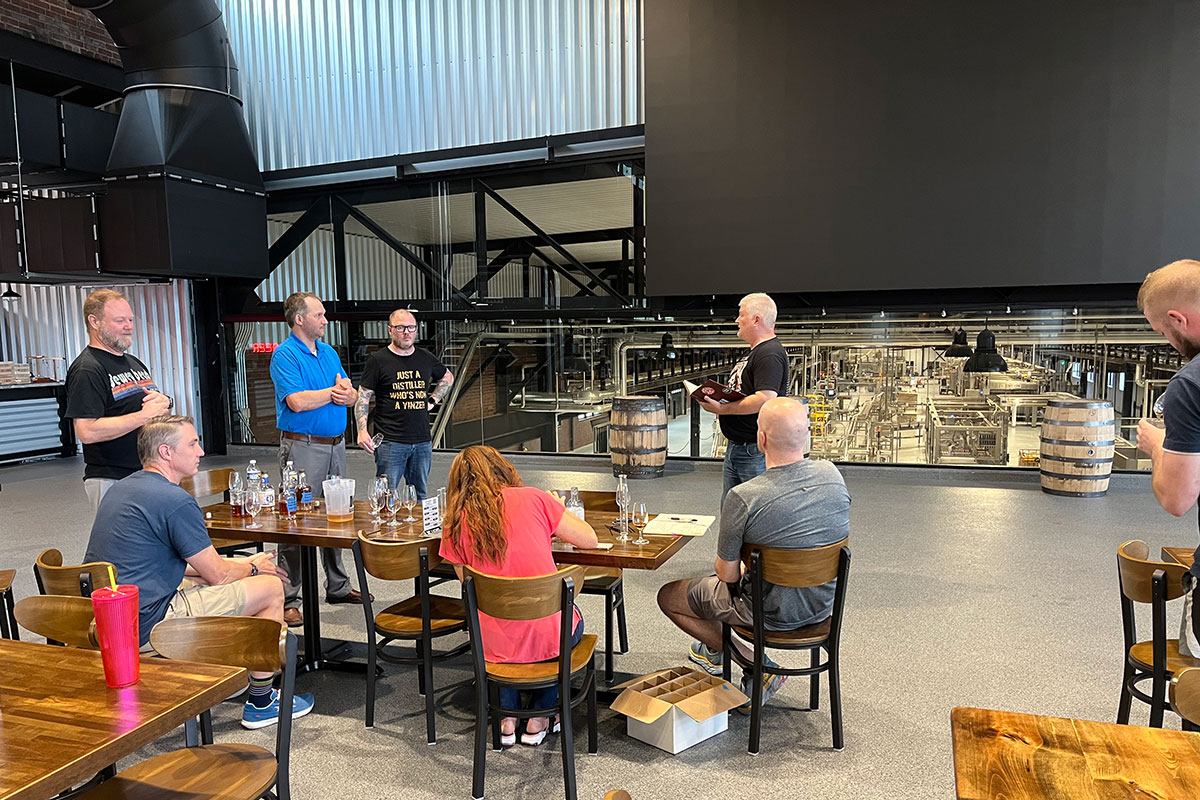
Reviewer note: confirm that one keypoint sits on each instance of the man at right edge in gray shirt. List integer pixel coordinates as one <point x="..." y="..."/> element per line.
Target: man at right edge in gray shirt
<point x="797" y="504"/>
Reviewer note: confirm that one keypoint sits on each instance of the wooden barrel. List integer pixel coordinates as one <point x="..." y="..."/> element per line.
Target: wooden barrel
<point x="1077" y="447"/>
<point x="637" y="436"/>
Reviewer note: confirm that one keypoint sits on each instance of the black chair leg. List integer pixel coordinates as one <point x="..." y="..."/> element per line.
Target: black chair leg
<point x="5" y="632"/>
<point x="1158" y="706"/>
<point x="814" y="682"/>
<point x="371" y="678"/>
<point x="496" y="714"/>
<point x="481" y="725"/>
<point x="608" y="636"/>
<point x="1126" y="695"/>
<point x="206" y="729"/>
<point x="726" y="657"/>
<point x="568" y="743"/>
<point x="835" y="699"/>
<point x="593" y="723"/>
<point x="420" y="647"/>
<point x="427" y="676"/>
<point x="191" y="733"/>
<point x="622" y="631"/>
<point x="755" y="704"/>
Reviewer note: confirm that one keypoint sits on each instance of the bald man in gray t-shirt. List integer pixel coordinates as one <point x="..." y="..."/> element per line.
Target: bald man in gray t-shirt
<point x="796" y="504"/>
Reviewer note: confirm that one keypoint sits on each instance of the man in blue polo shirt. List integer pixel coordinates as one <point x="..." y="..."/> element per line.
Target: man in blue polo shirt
<point x="312" y="393"/>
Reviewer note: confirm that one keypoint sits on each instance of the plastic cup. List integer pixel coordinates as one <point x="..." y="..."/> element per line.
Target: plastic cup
<point x="117" y="629"/>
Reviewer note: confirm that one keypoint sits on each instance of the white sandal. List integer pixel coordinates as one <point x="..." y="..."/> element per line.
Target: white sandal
<point x="508" y="739"/>
<point x="534" y="739"/>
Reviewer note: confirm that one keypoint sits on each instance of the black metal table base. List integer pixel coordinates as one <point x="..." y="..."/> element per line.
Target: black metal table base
<point x="314" y="655"/>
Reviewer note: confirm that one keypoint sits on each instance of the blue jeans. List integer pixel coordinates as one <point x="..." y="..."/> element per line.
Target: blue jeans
<point x="410" y="460"/>
<point x="545" y="697"/>
<point x="742" y="462"/>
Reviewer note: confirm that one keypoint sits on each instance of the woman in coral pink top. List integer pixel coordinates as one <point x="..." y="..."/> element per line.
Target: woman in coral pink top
<point x="499" y="527"/>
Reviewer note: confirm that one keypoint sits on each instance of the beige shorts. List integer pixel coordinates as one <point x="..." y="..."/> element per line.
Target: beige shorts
<point x="709" y="598"/>
<point x="201" y="600"/>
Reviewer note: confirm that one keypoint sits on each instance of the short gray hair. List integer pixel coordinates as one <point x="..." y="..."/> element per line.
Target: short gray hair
<point x="157" y="432"/>
<point x="762" y="305"/>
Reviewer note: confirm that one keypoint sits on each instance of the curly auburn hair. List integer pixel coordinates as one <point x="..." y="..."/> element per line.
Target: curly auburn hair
<point x="475" y="500"/>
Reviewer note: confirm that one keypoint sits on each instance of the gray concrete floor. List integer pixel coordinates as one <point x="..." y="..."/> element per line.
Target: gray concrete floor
<point x="966" y="588"/>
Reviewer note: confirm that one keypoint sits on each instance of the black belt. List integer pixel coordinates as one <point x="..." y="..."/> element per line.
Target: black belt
<point x="307" y="437"/>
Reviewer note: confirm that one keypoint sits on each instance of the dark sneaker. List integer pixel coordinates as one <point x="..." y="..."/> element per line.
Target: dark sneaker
<point x="710" y="660"/>
<point x="254" y="717"/>
<point x="771" y="684"/>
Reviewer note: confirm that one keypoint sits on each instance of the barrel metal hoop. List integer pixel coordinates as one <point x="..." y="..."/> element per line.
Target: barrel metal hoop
<point x="612" y="427"/>
<point x="1069" y="424"/>
<point x="1046" y="457"/>
<point x="642" y="451"/>
<point x="1078" y="404"/>
<point x="1063" y="493"/>
<point x="1060" y="476"/>
<point x="1079" y="442"/>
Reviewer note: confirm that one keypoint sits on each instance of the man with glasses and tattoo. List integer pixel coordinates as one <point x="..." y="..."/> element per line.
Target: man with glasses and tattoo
<point x="406" y="382"/>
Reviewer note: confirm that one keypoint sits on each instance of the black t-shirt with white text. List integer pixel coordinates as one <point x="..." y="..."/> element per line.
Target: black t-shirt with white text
<point x="100" y="384"/>
<point x="764" y="367"/>
<point x="401" y="385"/>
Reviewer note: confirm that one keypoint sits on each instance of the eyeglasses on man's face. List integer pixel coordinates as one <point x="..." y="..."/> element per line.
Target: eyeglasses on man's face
<point x="405" y="328"/>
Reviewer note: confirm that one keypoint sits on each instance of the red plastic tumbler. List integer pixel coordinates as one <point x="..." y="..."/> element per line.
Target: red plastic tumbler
<point x="117" y="629"/>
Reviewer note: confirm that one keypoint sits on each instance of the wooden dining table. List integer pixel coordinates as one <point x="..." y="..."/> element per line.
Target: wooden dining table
<point x="313" y="530"/>
<point x="1003" y="755"/>
<point x="60" y="723"/>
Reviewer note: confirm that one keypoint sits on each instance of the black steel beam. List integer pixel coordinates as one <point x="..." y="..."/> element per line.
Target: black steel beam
<point x="639" y="241"/>
<point x="316" y="215"/>
<point x="490" y="269"/>
<point x="569" y="237"/>
<point x="391" y="241"/>
<point x="481" y="245"/>
<point x="339" y="254"/>
<point x="549" y="240"/>
<point x="551" y="265"/>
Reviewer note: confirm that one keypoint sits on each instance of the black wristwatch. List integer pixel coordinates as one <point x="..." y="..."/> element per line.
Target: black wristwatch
<point x="253" y="569"/>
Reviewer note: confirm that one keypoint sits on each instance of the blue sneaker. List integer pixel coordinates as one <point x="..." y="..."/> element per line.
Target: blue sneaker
<point x="254" y="717"/>
<point x="710" y="660"/>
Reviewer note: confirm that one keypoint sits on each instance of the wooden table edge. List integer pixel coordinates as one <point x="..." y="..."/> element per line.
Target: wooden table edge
<point x="81" y="769"/>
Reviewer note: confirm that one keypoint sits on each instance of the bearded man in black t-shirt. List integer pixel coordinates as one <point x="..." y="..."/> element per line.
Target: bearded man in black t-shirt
<point x="406" y="382"/>
<point x="110" y="395"/>
<point x="762" y="374"/>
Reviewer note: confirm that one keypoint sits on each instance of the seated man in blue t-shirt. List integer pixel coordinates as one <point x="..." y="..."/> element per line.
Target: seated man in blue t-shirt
<point x="153" y="532"/>
<point x="1170" y="299"/>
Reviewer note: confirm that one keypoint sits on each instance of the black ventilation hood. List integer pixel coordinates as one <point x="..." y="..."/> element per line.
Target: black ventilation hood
<point x="184" y="195"/>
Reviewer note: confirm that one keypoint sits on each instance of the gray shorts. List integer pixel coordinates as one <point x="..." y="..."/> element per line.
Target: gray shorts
<point x="709" y="598"/>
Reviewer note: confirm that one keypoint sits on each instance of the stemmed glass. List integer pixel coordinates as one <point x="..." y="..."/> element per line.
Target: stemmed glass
<point x="389" y="508"/>
<point x="252" y="504"/>
<point x="375" y="498"/>
<point x="623" y="504"/>
<point x="641" y="517"/>
<point x="410" y="500"/>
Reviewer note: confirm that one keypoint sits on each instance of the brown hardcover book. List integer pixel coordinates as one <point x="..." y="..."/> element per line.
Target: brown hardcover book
<point x="713" y="391"/>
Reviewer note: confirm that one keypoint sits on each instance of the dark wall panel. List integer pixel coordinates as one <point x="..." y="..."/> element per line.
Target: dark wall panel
<point x="808" y="145"/>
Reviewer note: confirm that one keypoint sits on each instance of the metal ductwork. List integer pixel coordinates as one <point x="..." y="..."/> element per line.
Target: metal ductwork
<point x="185" y="197"/>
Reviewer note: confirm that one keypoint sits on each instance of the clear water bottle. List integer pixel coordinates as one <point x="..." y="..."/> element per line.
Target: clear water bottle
<point x="268" y="494"/>
<point x="252" y="472"/>
<point x="574" y="504"/>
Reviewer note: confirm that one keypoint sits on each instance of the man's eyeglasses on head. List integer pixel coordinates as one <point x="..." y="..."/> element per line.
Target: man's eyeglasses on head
<point x="405" y="328"/>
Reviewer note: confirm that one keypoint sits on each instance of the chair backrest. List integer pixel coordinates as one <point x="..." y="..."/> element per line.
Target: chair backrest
<point x="207" y="482"/>
<point x="395" y="561"/>
<point x="259" y="645"/>
<point x="798" y="568"/>
<point x="69" y="620"/>
<point x="54" y="578"/>
<point x="1185" y="694"/>
<point x="522" y="598"/>
<point x="1137" y="573"/>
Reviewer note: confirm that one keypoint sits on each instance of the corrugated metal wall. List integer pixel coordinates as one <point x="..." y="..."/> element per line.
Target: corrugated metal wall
<point x="47" y="320"/>
<point x="336" y="80"/>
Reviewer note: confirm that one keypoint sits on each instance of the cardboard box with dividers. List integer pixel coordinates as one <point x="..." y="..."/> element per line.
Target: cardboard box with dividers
<point x="676" y="708"/>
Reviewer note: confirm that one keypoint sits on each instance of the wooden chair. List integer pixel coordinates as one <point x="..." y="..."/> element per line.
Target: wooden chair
<point x="217" y="771"/>
<point x="1185" y="697"/>
<point x="211" y="483"/>
<point x="76" y="580"/>
<point x="8" y="622"/>
<point x="1157" y="659"/>
<point x="420" y="619"/>
<point x="530" y="599"/>
<point x="609" y="582"/>
<point x="60" y="619"/>
<point x="799" y="569"/>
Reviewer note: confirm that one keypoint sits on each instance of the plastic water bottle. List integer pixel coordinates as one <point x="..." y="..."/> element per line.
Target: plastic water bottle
<point x="252" y="472"/>
<point x="574" y="504"/>
<point x="287" y="495"/>
<point x="268" y="498"/>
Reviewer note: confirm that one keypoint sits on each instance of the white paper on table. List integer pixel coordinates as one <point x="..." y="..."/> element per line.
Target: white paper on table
<point x="559" y="544"/>
<point x="429" y="514"/>
<point x="680" y="524"/>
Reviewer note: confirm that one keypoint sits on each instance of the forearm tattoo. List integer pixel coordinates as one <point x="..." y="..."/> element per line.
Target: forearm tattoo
<point x="362" y="406"/>
<point x="442" y="389"/>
